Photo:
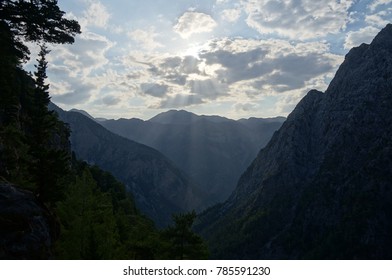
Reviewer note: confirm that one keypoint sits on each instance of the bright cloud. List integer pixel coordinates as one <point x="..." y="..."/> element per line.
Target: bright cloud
<point x="378" y="3"/>
<point x="145" y="38"/>
<point x="193" y="22"/>
<point x="298" y="19"/>
<point x="363" y="35"/>
<point x="96" y="15"/>
<point x="231" y="15"/>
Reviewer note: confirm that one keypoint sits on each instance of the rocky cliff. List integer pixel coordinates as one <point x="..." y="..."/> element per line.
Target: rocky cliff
<point x="27" y="228"/>
<point x="322" y="187"/>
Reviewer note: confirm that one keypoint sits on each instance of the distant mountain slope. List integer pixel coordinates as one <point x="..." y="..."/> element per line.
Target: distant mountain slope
<point x="213" y="150"/>
<point x="322" y="187"/>
<point x="159" y="188"/>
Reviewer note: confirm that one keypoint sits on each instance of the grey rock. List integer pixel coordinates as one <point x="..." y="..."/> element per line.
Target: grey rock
<point x="27" y="229"/>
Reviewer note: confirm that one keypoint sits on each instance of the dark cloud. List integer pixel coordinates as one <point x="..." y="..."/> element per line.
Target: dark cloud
<point x="111" y="100"/>
<point x="153" y="89"/>
<point x="231" y="59"/>
<point x="284" y="71"/>
<point x="175" y="70"/>
<point x="239" y="66"/>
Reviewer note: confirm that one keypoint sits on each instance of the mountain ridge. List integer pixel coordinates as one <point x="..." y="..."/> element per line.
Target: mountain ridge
<point x="320" y="189"/>
<point x="159" y="188"/>
<point x="212" y="150"/>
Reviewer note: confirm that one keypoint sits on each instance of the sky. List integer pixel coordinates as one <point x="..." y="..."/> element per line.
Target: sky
<point x="238" y="59"/>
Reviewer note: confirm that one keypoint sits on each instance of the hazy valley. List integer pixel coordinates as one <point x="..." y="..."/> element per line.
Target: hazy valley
<point x="314" y="185"/>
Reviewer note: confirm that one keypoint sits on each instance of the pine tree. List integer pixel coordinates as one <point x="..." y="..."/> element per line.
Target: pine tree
<point x="181" y="242"/>
<point x="88" y="223"/>
<point x="49" y="161"/>
<point x="36" y="21"/>
<point x="21" y="21"/>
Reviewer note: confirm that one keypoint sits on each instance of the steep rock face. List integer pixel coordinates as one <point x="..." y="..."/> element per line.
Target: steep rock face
<point x="322" y="187"/>
<point x="27" y="229"/>
<point x="159" y="188"/>
<point x="212" y="150"/>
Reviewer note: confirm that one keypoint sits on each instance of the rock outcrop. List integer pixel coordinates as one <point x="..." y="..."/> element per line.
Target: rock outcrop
<point x="27" y="229"/>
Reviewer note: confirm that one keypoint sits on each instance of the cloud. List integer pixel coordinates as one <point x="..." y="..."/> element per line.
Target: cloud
<point x="111" y="100"/>
<point x="73" y="69"/>
<point x="237" y="66"/>
<point x="363" y="35"/>
<point x="298" y="19"/>
<point x="78" y="94"/>
<point x="379" y="19"/>
<point x="238" y="70"/>
<point x="146" y="39"/>
<point x="210" y="88"/>
<point x="378" y="3"/>
<point x="276" y="63"/>
<point x="231" y="15"/>
<point x="96" y="15"/>
<point x="174" y="69"/>
<point x="86" y="55"/>
<point x="245" y="107"/>
<point x="193" y="22"/>
<point x="180" y="100"/>
<point x="153" y="89"/>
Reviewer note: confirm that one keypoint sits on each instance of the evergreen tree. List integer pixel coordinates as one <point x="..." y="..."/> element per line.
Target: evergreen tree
<point x="49" y="160"/>
<point x="181" y="242"/>
<point x="20" y="21"/>
<point x="88" y="222"/>
<point x="36" y="21"/>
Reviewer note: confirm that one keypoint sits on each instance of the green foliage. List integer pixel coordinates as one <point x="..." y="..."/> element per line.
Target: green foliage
<point x="180" y="242"/>
<point x="88" y="223"/>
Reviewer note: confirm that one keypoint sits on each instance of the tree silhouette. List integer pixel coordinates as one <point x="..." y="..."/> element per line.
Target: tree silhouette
<point x="36" y="21"/>
<point x="181" y="242"/>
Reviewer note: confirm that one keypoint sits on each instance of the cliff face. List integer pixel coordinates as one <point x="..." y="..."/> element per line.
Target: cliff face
<point x="322" y="187"/>
<point x="27" y="228"/>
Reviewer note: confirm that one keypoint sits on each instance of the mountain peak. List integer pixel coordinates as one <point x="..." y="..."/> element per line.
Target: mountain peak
<point x="175" y="117"/>
<point x="384" y="38"/>
<point x="82" y="112"/>
<point x="364" y="68"/>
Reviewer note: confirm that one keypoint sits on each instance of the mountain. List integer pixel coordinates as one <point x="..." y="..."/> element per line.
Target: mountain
<point x="322" y="187"/>
<point x="159" y="188"/>
<point x="175" y="117"/>
<point x="212" y="150"/>
<point x="83" y="113"/>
